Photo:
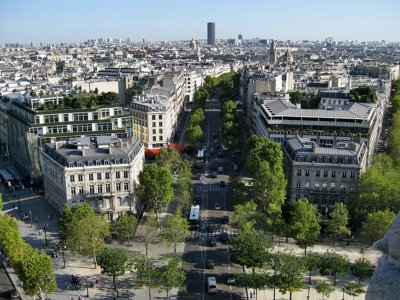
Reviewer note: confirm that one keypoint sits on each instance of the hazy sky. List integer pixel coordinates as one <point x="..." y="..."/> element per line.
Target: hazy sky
<point x="24" y="21"/>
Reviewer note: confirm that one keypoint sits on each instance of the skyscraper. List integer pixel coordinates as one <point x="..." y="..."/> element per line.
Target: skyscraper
<point x="211" y="33"/>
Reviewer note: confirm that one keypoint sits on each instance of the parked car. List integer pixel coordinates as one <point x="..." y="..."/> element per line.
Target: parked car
<point x="223" y="236"/>
<point x="230" y="279"/>
<point x="225" y="219"/>
<point x="210" y="264"/>
<point x="214" y="175"/>
<point x="217" y="206"/>
<point x="220" y="169"/>
<point x="211" y="228"/>
<point x="213" y="242"/>
<point x="212" y="151"/>
<point x="222" y="183"/>
<point x="197" y="199"/>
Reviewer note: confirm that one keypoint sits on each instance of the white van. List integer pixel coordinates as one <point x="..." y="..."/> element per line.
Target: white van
<point x="211" y="285"/>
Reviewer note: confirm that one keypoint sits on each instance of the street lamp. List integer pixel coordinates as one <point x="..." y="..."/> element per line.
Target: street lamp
<point x="19" y="205"/>
<point x="275" y="261"/>
<point x="343" y="293"/>
<point x="87" y="289"/>
<point x="45" y="233"/>
<point x="308" y="292"/>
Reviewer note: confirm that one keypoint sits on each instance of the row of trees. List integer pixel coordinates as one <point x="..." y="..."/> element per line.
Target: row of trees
<point x="231" y="133"/>
<point x="285" y="271"/>
<point x="194" y="131"/>
<point x="33" y="267"/>
<point x="226" y="85"/>
<point x="378" y="198"/>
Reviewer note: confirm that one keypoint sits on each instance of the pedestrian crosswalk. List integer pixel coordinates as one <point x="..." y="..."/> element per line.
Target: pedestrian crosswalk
<point x="198" y="188"/>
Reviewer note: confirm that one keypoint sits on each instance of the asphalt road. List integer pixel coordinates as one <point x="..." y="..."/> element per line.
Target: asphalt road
<point x="197" y="250"/>
<point x="5" y="284"/>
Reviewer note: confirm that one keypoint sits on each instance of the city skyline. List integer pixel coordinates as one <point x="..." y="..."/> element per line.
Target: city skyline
<point x="26" y="21"/>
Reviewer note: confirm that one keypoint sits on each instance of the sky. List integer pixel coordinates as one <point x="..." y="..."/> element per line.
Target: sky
<point x="54" y="21"/>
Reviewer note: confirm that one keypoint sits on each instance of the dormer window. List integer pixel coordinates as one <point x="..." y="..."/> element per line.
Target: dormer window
<point x="106" y="162"/>
<point x="98" y="163"/>
<point x="79" y="164"/>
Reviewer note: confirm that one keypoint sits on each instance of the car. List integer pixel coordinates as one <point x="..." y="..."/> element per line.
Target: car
<point x="214" y="175"/>
<point x="210" y="264"/>
<point x="223" y="236"/>
<point x="197" y="177"/>
<point x="214" y="135"/>
<point x="222" y="183"/>
<point x="230" y="279"/>
<point x="211" y="228"/>
<point x="10" y="294"/>
<point x="212" y="151"/>
<point x="213" y="242"/>
<point x="225" y="219"/>
<point x="212" y="167"/>
<point x="197" y="199"/>
<point x="216" y="141"/>
<point x="217" y="206"/>
<point x="220" y="169"/>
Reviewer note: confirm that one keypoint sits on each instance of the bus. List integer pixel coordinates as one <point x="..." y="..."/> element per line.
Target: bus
<point x="194" y="217"/>
<point x="200" y="155"/>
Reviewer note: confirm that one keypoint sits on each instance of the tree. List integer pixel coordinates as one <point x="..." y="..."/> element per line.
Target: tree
<point x="146" y="273"/>
<point x="184" y="185"/>
<point x="324" y="288"/>
<point x="362" y="269"/>
<point x="335" y="264"/>
<point x="257" y="281"/>
<point x="250" y="248"/>
<point x="339" y="219"/>
<point x="290" y="274"/>
<point x="168" y="158"/>
<point x="305" y="224"/>
<point x="174" y="229"/>
<point x="228" y="107"/>
<point x="197" y="117"/>
<point x="32" y="94"/>
<point x="194" y="133"/>
<point x="200" y="97"/>
<point x="354" y="289"/>
<point x="35" y="270"/>
<point x="155" y="186"/>
<point x="150" y="234"/>
<point x="170" y="275"/>
<point x="297" y="97"/>
<point x="125" y="227"/>
<point x="84" y="230"/>
<point x="269" y="193"/>
<point x="311" y="262"/>
<point x="244" y="214"/>
<point x="376" y="225"/>
<point x="239" y="195"/>
<point x="114" y="262"/>
<point x="96" y="91"/>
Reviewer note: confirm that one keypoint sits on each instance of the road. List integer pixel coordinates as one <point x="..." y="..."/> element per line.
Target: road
<point x="197" y="250"/>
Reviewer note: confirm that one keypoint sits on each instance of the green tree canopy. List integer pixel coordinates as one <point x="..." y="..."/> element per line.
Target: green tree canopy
<point x="250" y="248"/>
<point x="311" y="263"/>
<point x="184" y="186"/>
<point x="354" y="289"/>
<point x="364" y="94"/>
<point x="174" y="229"/>
<point x="170" y="275"/>
<point x="324" y="288"/>
<point x="290" y="274"/>
<point x="305" y="224"/>
<point x="197" y="117"/>
<point x="114" y="262"/>
<point x="200" y="97"/>
<point x="244" y="214"/>
<point x="155" y="186"/>
<point x="125" y="227"/>
<point x="362" y="269"/>
<point x="335" y="264"/>
<point x="194" y="133"/>
<point x="168" y="158"/>
<point x="338" y="222"/>
<point x="376" y="225"/>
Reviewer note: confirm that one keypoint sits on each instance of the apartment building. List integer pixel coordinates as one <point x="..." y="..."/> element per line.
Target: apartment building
<point x="102" y="171"/>
<point x="153" y="121"/>
<point x="30" y="125"/>
<point x="333" y="99"/>
<point x="324" y="174"/>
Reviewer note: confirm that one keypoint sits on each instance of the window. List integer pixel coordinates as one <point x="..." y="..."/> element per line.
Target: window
<point x="73" y="190"/>
<point x="298" y="172"/>
<point x="325" y="173"/>
<point x="108" y="188"/>
<point x="126" y="186"/>
<point x="154" y="124"/>
<point x="344" y="174"/>
<point x="98" y="176"/>
<point x="66" y="118"/>
<point x="316" y="186"/>
<point x="342" y="199"/>
<point x="117" y="175"/>
<point x="333" y="174"/>
<point x="153" y="117"/>
<point x="323" y="200"/>
<point x="118" y="186"/>
<point x="324" y="187"/>
<point x="91" y="189"/>
<point x="160" y="117"/>
<point x="160" y="137"/>
<point x="126" y="174"/>
<point x="315" y="200"/>
<point x="160" y="124"/>
<point x="352" y="188"/>
<point x="99" y="189"/>
<point x="81" y="190"/>
<point x="298" y="184"/>
<point x="306" y="185"/>
<point x="90" y="176"/>
<point x="331" y="200"/>
<point x="72" y="178"/>
<point x="80" y="177"/>
<point x="297" y="197"/>
<point x="307" y="172"/>
<point x="154" y="131"/>
<point x="343" y="188"/>
<point x="160" y="131"/>
<point x="333" y="187"/>
<point x="154" y="138"/>
<point x="352" y="175"/>
<point x="107" y="175"/>
<point x="317" y="173"/>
